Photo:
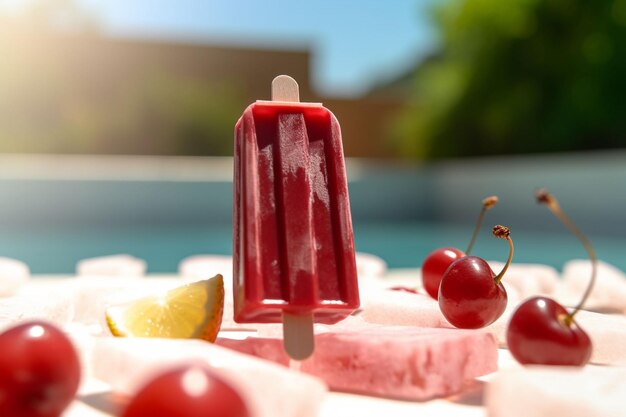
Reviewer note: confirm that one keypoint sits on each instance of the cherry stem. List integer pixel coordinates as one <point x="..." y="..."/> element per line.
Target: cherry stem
<point x="543" y="196"/>
<point x="488" y="202"/>
<point x="503" y="232"/>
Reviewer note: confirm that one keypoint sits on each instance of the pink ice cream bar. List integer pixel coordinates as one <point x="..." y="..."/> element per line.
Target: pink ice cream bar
<point x="293" y="245"/>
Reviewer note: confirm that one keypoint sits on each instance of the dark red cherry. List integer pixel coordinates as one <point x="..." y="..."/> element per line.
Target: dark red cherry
<point x="541" y="331"/>
<point x="39" y="371"/>
<point x="435" y="265"/>
<point x="187" y="391"/>
<point x="538" y="333"/>
<point x="469" y="296"/>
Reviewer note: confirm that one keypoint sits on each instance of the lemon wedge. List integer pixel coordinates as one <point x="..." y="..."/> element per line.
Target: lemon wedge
<point x="190" y="311"/>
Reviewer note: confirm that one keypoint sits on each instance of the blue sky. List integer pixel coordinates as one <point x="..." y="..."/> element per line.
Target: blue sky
<point x="355" y="43"/>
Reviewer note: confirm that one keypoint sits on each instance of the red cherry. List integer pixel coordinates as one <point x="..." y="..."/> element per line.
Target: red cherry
<point x="541" y="331"/>
<point x="435" y="266"/>
<point x="187" y="391"/>
<point x="469" y="296"/>
<point x="539" y="334"/>
<point x="39" y="371"/>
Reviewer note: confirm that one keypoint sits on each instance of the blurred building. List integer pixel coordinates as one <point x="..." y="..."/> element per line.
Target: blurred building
<point x="86" y="93"/>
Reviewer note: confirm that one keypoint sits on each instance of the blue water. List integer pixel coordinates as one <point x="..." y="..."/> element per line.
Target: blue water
<point x="400" y="213"/>
<point x="56" y="250"/>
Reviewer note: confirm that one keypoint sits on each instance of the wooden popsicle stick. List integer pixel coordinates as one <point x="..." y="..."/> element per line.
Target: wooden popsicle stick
<point x="298" y="337"/>
<point x="285" y="88"/>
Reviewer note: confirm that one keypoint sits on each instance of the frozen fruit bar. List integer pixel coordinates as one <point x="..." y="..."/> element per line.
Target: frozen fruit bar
<point x="293" y="244"/>
<point x="390" y="361"/>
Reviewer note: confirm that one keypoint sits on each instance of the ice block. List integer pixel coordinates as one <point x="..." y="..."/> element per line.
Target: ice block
<point x="13" y="274"/>
<point x="268" y="389"/>
<point x="609" y="290"/>
<point x="293" y="245"/>
<point x="37" y="302"/>
<point x="545" y="391"/>
<point x="531" y="279"/>
<point x="400" y="362"/>
<point x="112" y="266"/>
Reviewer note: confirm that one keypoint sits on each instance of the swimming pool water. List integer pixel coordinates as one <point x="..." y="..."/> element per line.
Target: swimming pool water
<point x="402" y="245"/>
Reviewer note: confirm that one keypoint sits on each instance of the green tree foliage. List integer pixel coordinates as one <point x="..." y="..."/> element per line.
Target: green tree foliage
<point x="521" y="76"/>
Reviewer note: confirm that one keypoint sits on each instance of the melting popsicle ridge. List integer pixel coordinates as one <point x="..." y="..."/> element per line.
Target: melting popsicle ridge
<point x="341" y="215"/>
<point x="295" y="212"/>
<point x="237" y="213"/>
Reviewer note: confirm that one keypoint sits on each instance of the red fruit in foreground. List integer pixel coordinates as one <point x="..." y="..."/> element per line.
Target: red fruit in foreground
<point x="469" y="297"/>
<point x="539" y="334"/>
<point x="39" y="371"/>
<point x="187" y="391"/>
<point x="435" y="265"/>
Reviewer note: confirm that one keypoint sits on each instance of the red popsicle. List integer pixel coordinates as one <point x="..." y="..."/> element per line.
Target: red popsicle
<point x="293" y="245"/>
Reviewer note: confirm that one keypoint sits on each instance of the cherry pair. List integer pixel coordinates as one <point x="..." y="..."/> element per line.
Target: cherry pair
<point x="470" y="295"/>
<point x="438" y="261"/>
